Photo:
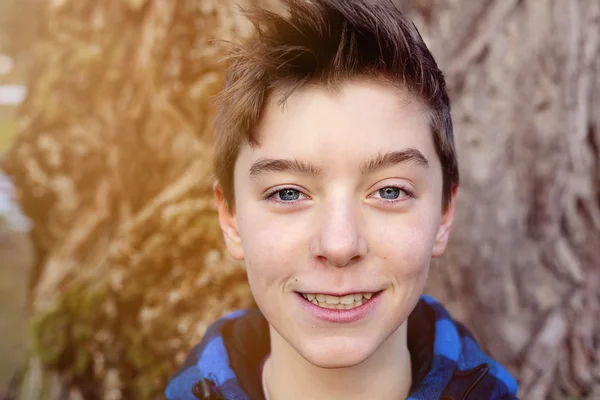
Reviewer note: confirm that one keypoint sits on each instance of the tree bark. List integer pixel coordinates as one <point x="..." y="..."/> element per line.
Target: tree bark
<point x="523" y="267"/>
<point x="112" y="164"/>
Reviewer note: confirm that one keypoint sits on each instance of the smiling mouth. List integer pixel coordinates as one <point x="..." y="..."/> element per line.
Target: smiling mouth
<point x="347" y="302"/>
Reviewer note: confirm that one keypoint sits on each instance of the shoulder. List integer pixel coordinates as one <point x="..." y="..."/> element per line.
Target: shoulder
<point x="478" y="382"/>
<point x="206" y="366"/>
<point x="222" y="362"/>
<point x="478" y="374"/>
<point x="458" y="359"/>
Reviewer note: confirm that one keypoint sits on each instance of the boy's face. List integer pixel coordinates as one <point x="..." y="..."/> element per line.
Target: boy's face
<point x="343" y="196"/>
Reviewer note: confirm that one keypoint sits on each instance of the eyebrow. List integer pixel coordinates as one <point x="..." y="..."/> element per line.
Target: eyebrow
<point x="408" y="156"/>
<point x="265" y="165"/>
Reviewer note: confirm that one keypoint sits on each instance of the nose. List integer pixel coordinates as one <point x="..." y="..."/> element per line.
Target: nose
<point x="339" y="241"/>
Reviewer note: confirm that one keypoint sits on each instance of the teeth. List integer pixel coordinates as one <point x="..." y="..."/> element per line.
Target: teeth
<point x="339" y="303"/>
<point x="347" y="299"/>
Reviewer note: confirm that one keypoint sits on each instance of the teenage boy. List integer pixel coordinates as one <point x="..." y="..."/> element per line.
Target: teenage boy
<point x="336" y="180"/>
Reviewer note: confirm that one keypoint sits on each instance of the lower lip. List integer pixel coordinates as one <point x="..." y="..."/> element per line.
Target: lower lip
<point x="340" y="316"/>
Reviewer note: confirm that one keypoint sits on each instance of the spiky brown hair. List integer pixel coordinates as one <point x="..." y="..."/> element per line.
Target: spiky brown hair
<point x="327" y="42"/>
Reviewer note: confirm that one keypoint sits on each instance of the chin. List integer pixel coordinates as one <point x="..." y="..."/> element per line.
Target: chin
<point x="336" y="352"/>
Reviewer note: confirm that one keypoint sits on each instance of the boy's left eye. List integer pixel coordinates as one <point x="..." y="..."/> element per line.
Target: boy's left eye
<point x="391" y="193"/>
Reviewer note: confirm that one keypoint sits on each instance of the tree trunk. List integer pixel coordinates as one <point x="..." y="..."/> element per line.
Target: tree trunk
<point x="523" y="268"/>
<point x="112" y="164"/>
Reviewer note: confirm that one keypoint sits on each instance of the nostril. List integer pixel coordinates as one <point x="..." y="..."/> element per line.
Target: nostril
<point x="339" y="261"/>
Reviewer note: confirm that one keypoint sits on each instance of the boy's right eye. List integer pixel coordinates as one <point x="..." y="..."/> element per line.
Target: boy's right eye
<point x="286" y="195"/>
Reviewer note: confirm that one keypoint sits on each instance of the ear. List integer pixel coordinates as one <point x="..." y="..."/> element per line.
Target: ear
<point x="228" y="223"/>
<point x="443" y="233"/>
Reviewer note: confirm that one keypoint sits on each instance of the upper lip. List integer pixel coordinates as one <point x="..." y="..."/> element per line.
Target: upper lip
<point x="338" y="294"/>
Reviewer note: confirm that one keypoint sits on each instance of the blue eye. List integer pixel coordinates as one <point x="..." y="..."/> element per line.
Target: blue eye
<point x="390" y="193"/>
<point x="288" y="194"/>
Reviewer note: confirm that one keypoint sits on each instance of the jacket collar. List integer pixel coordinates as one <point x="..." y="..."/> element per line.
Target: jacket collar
<point x="447" y="362"/>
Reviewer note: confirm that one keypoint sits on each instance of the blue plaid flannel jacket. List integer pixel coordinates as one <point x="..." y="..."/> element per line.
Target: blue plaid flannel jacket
<point x="448" y="363"/>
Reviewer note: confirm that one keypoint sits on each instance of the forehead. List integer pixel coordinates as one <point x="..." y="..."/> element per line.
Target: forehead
<point x="353" y="122"/>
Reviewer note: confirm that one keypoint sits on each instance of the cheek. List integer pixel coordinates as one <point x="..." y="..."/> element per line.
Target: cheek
<point x="406" y="244"/>
<point x="272" y="246"/>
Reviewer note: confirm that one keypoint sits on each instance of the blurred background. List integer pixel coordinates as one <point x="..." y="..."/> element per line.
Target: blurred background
<point x="16" y="249"/>
<point x="111" y="262"/>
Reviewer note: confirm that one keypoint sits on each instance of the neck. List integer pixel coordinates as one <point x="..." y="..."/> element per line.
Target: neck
<point x="385" y="375"/>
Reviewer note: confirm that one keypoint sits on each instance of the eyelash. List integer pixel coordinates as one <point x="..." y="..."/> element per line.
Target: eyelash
<point x="270" y="195"/>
